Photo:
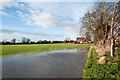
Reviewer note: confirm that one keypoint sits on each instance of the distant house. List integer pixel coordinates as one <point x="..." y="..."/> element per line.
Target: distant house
<point x="71" y="42"/>
<point x="43" y="42"/>
<point x="82" y="40"/>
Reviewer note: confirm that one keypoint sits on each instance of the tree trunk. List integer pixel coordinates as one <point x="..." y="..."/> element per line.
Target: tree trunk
<point x="112" y="47"/>
<point x="112" y="40"/>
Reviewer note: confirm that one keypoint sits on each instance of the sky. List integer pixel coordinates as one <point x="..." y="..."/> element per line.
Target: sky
<point x="42" y="20"/>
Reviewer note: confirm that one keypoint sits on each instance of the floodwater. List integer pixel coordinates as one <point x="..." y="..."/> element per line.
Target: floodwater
<point x="66" y="63"/>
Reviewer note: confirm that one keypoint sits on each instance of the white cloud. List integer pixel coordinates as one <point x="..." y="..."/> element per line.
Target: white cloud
<point x="47" y="0"/>
<point x="57" y="15"/>
<point x="58" y="0"/>
<point x="70" y="9"/>
<point x="8" y="34"/>
<point x="46" y="20"/>
<point x="3" y="5"/>
<point x="49" y="15"/>
<point x="3" y="13"/>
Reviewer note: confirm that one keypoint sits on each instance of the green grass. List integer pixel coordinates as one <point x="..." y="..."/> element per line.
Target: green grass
<point x="36" y="48"/>
<point x="109" y="70"/>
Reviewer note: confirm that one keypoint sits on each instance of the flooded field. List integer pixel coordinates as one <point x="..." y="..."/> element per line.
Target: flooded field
<point x="66" y="63"/>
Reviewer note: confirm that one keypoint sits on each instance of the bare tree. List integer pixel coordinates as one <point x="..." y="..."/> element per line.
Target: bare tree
<point x="103" y="22"/>
<point x="13" y="40"/>
<point x="88" y="36"/>
<point x="23" y="39"/>
<point x="115" y="25"/>
<point x="28" y="40"/>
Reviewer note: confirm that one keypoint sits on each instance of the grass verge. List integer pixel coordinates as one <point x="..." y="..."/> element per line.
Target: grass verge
<point x="109" y="70"/>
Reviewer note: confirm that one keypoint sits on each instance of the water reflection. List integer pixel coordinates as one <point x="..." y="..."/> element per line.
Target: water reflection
<point x="66" y="63"/>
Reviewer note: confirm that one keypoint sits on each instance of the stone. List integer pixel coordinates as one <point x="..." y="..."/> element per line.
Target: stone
<point x="101" y="60"/>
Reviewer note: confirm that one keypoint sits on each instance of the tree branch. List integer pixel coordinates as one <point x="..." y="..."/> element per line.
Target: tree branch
<point x="116" y="34"/>
<point x="115" y="24"/>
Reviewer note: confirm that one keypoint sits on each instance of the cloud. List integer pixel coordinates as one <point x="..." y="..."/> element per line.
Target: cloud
<point x="47" y="0"/>
<point x="3" y="13"/>
<point x="48" y="15"/>
<point x="8" y="34"/>
<point x="58" y="0"/>
<point x="10" y="4"/>
<point x="68" y="9"/>
<point x="47" y="20"/>
<point x="43" y="19"/>
<point x="16" y="32"/>
<point x="64" y="16"/>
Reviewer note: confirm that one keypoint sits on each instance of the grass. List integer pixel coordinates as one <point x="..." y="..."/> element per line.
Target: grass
<point x="36" y="48"/>
<point x="109" y="70"/>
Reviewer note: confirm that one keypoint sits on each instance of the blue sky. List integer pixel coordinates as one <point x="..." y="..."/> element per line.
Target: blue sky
<point x="42" y="20"/>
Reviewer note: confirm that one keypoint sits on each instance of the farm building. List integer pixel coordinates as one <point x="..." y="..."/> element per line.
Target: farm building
<point x="82" y="40"/>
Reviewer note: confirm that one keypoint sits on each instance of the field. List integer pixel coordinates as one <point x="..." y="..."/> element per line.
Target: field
<point x="36" y="48"/>
<point x="111" y="69"/>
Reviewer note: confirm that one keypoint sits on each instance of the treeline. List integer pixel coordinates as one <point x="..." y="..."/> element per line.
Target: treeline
<point x="28" y="41"/>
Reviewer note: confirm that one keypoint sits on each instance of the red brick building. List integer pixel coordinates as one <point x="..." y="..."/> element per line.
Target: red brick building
<point x="82" y="40"/>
